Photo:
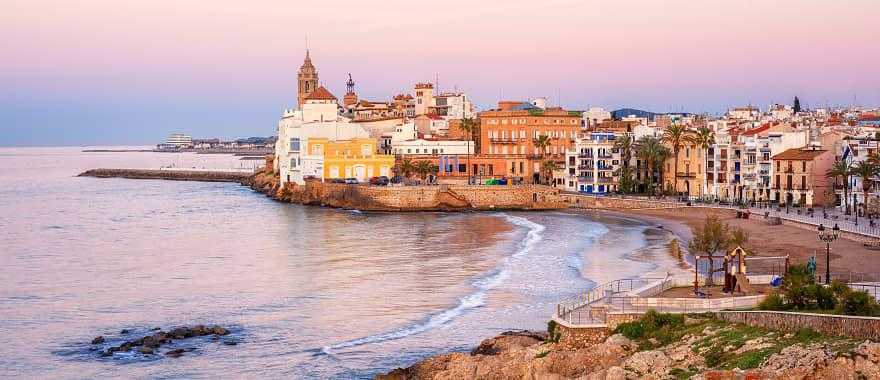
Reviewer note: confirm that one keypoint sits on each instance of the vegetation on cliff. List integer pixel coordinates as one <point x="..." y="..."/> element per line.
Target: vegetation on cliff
<point x="659" y="346"/>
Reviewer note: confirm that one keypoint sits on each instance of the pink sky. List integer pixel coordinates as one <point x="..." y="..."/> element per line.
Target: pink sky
<point x="658" y="55"/>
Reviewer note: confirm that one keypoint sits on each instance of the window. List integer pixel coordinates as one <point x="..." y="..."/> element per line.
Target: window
<point x="803" y="182"/>
<point x="366" y="150"/>
<point x="512" y="167"/>
<point x="294" y="144"/>
<point x="462" y="168"/>
<point x="804" y="166"/>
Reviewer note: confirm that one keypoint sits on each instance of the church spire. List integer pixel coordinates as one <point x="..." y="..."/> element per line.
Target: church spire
<point x="307" y="79"/>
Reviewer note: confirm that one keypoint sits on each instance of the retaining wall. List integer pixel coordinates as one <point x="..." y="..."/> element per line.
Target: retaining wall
<point x="839" y="325"/>
<point x="422" y="198"/>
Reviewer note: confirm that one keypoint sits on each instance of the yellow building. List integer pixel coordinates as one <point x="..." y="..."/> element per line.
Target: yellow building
<point x="355" y="158"/>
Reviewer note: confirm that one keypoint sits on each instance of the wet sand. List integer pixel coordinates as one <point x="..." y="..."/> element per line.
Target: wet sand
<point x="767" y="240"/>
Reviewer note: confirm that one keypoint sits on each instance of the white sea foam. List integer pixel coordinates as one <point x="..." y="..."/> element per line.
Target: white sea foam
<point x="471" y="301"/>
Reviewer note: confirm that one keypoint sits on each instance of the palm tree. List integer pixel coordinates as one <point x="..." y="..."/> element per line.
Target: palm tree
<point x="405" y="167"/>
<point x="702" y="139"/>
<point x="468" y="126"/>
<point x="651" y="151"/>
<point x="548" y="167"/>
<point x="424" y="168"/>
<point x="675" y="135"/>
<point x="542" y="142"/>
<point x="625" y="146"/>
<point x="866" y="171"/>
<point x="841" y="169"/>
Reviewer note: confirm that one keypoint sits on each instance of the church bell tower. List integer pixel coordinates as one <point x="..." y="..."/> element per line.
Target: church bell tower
<point x="307" y="80"/>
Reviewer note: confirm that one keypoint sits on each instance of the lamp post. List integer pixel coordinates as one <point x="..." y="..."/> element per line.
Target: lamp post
<point x="828" y="236"/>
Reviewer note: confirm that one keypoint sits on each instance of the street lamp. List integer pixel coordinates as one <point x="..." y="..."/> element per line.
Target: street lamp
<point x="828" y="236"/>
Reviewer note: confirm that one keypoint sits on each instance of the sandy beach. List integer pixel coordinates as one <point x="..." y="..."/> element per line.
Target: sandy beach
<point x="768" y="240"/>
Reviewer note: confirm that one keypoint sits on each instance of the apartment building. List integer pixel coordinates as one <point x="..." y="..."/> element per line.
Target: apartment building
<point x="592" y="165"/>
<point x="800" y="179"/>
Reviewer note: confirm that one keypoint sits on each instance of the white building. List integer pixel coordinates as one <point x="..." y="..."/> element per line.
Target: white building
<point x="591" y="166"/>
<point x="318" y="117"/>
<point x="177" y="141"/>
<point x="406" y="140"/>
<point x="453" y="105"/>
<point x="595" y="115"/>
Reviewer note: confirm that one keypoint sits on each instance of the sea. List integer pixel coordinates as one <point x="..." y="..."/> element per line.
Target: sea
<point x="307" y="292"/>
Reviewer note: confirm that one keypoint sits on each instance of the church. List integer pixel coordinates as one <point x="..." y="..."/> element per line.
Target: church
<point x="315" y="141"/>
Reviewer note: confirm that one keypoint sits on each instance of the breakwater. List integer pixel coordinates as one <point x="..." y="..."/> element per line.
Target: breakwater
<point x="174" y="175"/>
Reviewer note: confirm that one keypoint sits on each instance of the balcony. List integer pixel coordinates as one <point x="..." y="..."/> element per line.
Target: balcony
<point x="606" y="155"/>
<point x="606" y="180"/>
<point x="585" y="167"/>
<point x="583" y="179"/>
<point x="505" y="140"/>
<point x="606" y="167"/>
<point x="585" y="155"/>
<point x="686" y="175"/>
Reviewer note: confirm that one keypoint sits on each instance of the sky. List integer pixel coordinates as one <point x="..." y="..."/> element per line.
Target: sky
<point x="118" y="72"/>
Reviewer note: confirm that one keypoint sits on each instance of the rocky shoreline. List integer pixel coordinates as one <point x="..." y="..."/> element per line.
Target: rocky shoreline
<point x="699" y="347"/>
<point x="150" y="344"/>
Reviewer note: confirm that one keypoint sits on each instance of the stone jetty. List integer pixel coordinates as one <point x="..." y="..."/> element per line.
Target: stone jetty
<point x="169" y="174"/>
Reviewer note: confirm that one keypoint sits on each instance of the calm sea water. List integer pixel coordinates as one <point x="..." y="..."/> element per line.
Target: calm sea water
<point x="308" y="292"/>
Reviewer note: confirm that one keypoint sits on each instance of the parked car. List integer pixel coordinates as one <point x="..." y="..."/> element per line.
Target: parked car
<point x="351" y="181"/>
<point x="379" y="181"/>
<point x="397" y="179"/>
<point x="337" y="180"/>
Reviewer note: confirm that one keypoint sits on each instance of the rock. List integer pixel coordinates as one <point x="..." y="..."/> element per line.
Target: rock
<point x="199" y="330"/>
<point x="177" y="352"/>
<point x="146" y="350"/>
<point x="644" y="363"/>
<point x="155" y="329"/>
<point x="507" y="341"/>
<point x="619" y="339"/>
<point x="98" y="340"/>
<point x="615" y="373"/>
<point x="230" y="342"/>
<point x="124" y="331"/>
<point x="217" y="330"/>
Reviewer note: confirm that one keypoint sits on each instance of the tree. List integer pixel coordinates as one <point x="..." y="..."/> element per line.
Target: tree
<point x="866" y="171"/>
<point x="675" y="135"/>
<point x="624" y="145"/>
<point x="841" y="169"/>
<point x="713" y="237"/>
<point x="542" y="142"/>
<point x="797" y="105"/>
<point x="405" y="167"/>
<point x="424" y="168"/>
<point x="651" y="151"/>
<point x="702" y="139"/>
<point x="626" y="180"/>
<point x="468" y="126"/>
<point x="547" y="169"/>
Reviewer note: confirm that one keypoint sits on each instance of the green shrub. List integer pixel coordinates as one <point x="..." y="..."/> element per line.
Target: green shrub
<point x="631" y="330"/>
<point x="553" y="334"/>
<point x="773" y="301"/>
<point x="858" y="303"/>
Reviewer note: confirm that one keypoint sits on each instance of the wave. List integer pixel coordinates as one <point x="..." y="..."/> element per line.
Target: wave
<point x="471" y="301"/>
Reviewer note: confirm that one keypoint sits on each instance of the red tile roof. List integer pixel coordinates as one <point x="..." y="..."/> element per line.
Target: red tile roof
<point x="320" y="93"/>
<point x="798" y="154"/>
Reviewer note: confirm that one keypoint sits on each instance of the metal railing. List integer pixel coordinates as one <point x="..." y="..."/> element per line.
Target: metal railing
<point x="580" y="309"/>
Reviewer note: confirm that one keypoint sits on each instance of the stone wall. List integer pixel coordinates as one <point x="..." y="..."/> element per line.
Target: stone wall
<point x="572" y="338"/>
<point x="614" y="203"/>
<point x="840" y="325"/>
<point x="421" y="198"/>
<point x="615" y="319"/>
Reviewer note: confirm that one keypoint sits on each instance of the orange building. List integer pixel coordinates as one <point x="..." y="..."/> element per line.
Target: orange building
<point x="508" y="134"/>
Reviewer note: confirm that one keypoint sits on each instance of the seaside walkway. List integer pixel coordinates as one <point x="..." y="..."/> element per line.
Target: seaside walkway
<point x="847" y="223"/>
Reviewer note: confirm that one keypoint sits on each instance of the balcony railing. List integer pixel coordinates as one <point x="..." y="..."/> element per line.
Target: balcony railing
<point x="686" y="175"/>
<point x="585" y="167"/>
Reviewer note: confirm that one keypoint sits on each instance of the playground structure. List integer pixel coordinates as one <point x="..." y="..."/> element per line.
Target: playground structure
<point x="734" y="268"/>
